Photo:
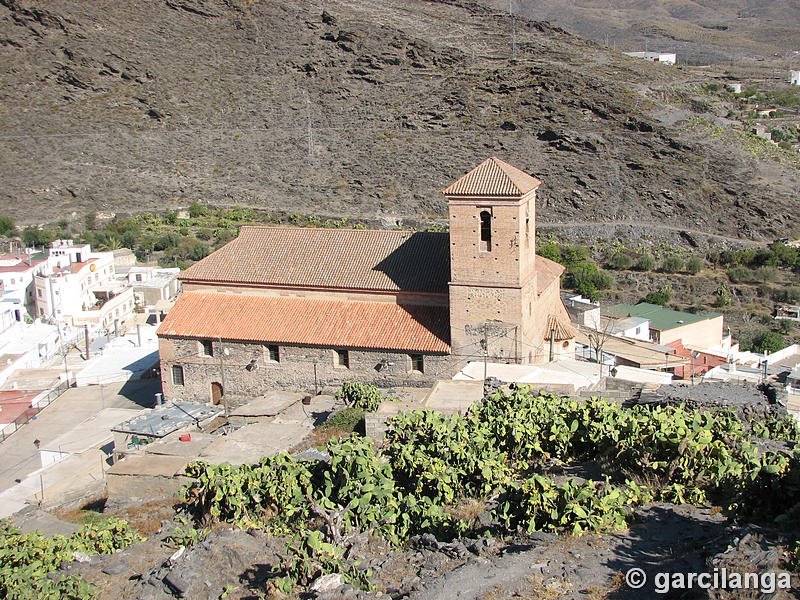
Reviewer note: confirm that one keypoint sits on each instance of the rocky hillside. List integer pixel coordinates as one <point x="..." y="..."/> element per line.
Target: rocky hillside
<point x="700" y="31"/>
<point x="359" y="108"/>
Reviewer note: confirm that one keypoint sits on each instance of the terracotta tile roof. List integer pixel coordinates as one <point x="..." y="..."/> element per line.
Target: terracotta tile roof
<point x="547" y="271"/>
<point x="330" y="258"/>
<point x="564" y="331"/>
<point x="306" y="322"/>
<point x="493" y="177"/>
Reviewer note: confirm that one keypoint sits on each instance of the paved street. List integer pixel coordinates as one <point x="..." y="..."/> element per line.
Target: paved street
<point x="19" y="456"/>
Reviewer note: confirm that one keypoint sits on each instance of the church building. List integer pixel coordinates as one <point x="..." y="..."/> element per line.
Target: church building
<point x="309" y="308"/>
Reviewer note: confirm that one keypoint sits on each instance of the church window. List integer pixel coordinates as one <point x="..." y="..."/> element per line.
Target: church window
<point x="177" y="375"/>
<point x="417" y="363"/>
<point x="273" y="353"/>
<point x="341" y="358"/>
<point x="206" y="348"/>
<point x="527" y="226"/>
<point x="486" y="231"/>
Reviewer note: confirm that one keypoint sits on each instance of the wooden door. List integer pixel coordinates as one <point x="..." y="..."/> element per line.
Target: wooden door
<point x="216" y="393"/>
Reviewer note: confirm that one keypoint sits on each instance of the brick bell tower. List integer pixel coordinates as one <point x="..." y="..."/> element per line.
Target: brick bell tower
<point x="493" y="287"/>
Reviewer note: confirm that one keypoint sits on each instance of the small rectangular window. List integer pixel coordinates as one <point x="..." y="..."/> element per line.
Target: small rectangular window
<point x="341" y="358"/>
<point x="417" y="363"/>
<point x="273" y="353"/>
<point x="207" y="347"/>
<point x="486" y="230"/>
<point x="177" y="375"/>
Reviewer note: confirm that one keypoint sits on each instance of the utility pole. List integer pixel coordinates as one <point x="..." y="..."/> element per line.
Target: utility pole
<point x="513" y="32"/>
<point x="485" y="348"/>
<point x="310" y="134"/>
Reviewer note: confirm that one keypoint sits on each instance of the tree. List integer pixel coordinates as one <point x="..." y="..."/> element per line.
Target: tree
<point x="7" y="226"/>
<point x="597" y="340"/>
<point x="32" y="236"/>
<point x="767" y="341"/>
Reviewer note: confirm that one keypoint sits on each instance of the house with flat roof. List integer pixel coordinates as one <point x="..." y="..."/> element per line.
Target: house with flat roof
<point x="295" y="307"/>
<point x="666" y="325"/>
<point x="667" y="58"/>
<point x="77" y="287"/>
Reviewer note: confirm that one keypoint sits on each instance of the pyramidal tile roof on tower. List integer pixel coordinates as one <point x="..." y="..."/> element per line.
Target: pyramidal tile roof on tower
<point x="493" y="177"/>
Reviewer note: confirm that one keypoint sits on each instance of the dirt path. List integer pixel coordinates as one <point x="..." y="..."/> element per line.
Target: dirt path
<point x="644" y="225"/>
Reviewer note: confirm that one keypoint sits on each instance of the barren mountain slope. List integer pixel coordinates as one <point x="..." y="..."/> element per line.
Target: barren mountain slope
<point x="700" y="31"/>
<point x="355" y="108"/>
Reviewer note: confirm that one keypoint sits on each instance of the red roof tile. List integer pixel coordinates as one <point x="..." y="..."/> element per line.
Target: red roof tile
<point x="20" y="267"/>
<point x="330" y="258"/>
<point x="493" y="177"/>
<point x="307" y="322"/>
<point x="563" y="330"/>
<point x="547" y="271"/>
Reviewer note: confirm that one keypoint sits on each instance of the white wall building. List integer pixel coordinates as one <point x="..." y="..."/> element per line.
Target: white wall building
<point x="151" y="284"/>
<point x="668" y="58"/>
<point x="16" y="280"/>
<point x="636" y="328"/>
<point x="794" y="77"/>
<point x="77" y="287"/>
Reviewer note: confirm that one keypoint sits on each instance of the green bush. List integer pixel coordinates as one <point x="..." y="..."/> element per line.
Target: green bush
<point x="587" y="275"/>
<point x="550" y="250"/>
<point x="619" y="261"/>
<point x="740" y="274"/>
<point x="197" y="210"/>
<point x="662" y="296"/>
<point x="362" y="396"/>
<point x="29" y="562"/>
<point x="694" y="265"/>
<point x="765" y="274"/>
<point x="646" y="262"/>
<point x="204" y="234"/>
<point x="672" y="264"/>
<point x="502" y="450"/>
<point x="347" y="419"/>
<point x="788" y="294"/>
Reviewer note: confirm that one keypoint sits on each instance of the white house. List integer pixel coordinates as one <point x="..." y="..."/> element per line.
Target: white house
<point x="635" y="328"/>
<point x="16" y="280"/>
<point x="77" y="287"/>
<point x="668" y="58"/>
<point x="794" y="77"/>
<point x="151" y="284"/>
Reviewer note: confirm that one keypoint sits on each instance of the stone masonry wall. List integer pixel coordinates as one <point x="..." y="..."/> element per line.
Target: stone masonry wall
<point x="247" y="371"/>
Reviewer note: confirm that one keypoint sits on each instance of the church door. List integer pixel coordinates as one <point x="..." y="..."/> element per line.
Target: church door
<point x="216" y="393"/>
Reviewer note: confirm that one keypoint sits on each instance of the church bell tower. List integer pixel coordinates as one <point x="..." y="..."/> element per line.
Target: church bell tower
<point x="493" y="287"/>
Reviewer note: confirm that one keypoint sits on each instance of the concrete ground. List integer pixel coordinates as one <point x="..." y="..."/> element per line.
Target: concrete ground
<point x="19" y="456"/>
<point x="793" y="405"/>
